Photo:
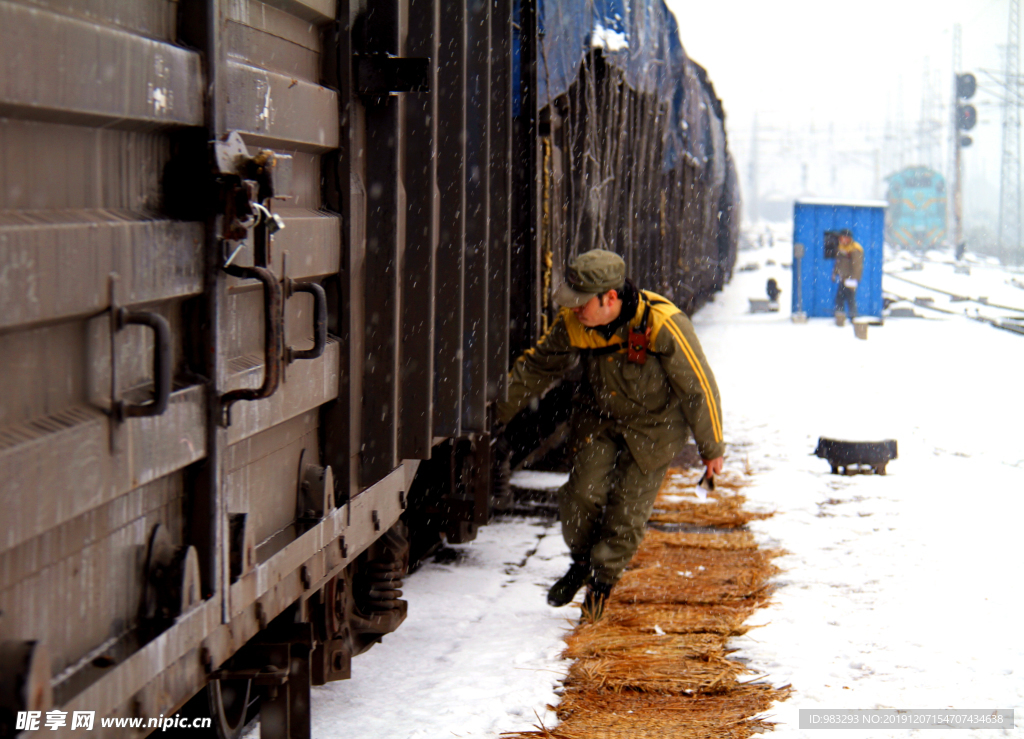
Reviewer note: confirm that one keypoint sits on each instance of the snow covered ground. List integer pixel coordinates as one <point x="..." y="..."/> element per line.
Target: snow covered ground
<point x="477" y="655"/>
<point x="902" y="591"/>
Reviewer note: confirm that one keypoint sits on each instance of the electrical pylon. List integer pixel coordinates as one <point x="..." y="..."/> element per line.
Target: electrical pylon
<point x="955" y="203"/>
<point x="1009" y="180"/>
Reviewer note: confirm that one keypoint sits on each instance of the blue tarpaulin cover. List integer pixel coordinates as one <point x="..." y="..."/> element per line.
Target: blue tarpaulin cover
<point x="640" y="37"/>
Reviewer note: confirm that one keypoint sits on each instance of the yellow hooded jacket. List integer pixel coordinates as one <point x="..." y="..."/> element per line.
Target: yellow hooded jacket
<point x="849" y="262"/>
<point x="653" y="405"/>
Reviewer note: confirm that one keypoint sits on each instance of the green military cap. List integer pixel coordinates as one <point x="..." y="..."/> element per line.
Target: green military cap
<point x="591" y="273"/>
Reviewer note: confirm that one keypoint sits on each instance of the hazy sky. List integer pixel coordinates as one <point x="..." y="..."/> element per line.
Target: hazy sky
<point x="828" y="80"/>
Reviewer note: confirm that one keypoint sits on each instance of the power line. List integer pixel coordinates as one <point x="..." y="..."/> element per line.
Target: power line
<point x="980" y="13"/>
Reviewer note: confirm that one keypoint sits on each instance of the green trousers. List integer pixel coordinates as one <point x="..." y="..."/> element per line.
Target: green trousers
<point x="605" y="505"/>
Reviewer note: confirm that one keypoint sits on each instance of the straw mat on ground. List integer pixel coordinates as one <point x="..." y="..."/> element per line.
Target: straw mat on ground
<point x="725" y="511"/>
<point x="685" y="619"/>
<point x="703" y="562"/>
<point x="602" y="639"/>
<point x="677" y="501"/>
<point x="592" y="714"/>
<point x="656" y="664"/>
<point x="721" y="540"/>
<point x="747" y="698"/>
<point x="655" y="673"/>
<point x="665" y="585"/>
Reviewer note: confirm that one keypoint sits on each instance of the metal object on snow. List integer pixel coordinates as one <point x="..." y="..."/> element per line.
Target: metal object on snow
<point x="763" y="305"/>
<point x="856" y="456"/>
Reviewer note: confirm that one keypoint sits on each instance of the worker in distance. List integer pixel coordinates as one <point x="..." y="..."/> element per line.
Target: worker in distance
<point x="847" y="272"/>
<point x="646" y="386"/>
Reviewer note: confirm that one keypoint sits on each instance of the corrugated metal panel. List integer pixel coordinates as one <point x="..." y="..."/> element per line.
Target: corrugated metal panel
<point x="104" y="126"/>
<point x="419" y="277"/>
<point x="383" y="170"/>
<point x="314" y="11"/>
<point x="91" y="93"/>
<point x="61" y="68"/>
<point x="59" y="467"/>
<point x="153" y="18"/>
<point x="500" y="219"/>
<point x="310" y="384"/>
<point x="278" y="111"/>
<point x="451" y="184"/>
<point x="49" y="583"/>
<point x="56" y="264"/>
<point x="477" y="171"/>
<point x="55" y="168"/>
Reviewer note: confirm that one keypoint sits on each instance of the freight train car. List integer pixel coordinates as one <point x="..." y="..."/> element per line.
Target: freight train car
<point x="264" y="267"/>
<point x="633" y="154"/>
<point x="916" y="218"/>
<point x="632" y="157"/>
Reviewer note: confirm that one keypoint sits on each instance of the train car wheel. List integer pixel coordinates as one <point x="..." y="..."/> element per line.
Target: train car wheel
<point x="229" y="706"/>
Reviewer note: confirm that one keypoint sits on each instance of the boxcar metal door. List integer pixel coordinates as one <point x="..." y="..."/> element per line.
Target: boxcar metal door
<point x="219" y="260"/>
<point x="103" y="408"/>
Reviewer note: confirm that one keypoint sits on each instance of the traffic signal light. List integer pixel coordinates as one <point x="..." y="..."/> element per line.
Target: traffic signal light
<point x="966" y="115"/>
<point x="965" y="86"/>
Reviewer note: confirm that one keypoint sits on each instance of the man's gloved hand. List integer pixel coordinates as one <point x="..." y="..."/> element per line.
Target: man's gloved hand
<point x="850" y="283"/>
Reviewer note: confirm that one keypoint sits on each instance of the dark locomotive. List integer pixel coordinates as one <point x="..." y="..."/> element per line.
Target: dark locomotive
<point x="265" y="265"/>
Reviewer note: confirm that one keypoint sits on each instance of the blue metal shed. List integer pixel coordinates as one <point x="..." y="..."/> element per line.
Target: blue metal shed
<point x="813" y="291"/>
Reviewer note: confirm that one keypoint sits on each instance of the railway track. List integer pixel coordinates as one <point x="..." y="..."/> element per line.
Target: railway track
<point x="975" y="307"/>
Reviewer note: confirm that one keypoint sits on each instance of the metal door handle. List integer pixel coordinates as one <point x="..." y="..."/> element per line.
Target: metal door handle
<point x="273" y="337"/>
<point x="319" y="320"/>
<point x="161" y="364"/>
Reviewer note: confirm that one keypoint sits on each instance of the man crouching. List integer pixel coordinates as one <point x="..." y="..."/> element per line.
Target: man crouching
<point x="646" y="385"/>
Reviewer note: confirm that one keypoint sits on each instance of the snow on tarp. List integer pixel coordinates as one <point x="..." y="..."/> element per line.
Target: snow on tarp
<point x="640" y="37"/>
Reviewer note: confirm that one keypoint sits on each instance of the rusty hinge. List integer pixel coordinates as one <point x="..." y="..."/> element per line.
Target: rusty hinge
<point x="249" y="182"/>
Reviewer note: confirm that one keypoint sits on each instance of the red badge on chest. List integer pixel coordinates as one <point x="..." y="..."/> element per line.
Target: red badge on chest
<point x="639" y="341"/>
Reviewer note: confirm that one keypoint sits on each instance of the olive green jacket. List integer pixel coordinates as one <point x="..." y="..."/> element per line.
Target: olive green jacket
<point x="849" y="262"/>
<point x="653" y="405"/>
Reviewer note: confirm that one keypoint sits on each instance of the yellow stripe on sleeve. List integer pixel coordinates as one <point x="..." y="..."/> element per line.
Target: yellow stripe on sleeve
<point x="716" y="424"/>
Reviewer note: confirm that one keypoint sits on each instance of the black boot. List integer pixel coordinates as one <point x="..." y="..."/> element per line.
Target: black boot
<point x="569" y="584"/>
<point x="593" y="603"/>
